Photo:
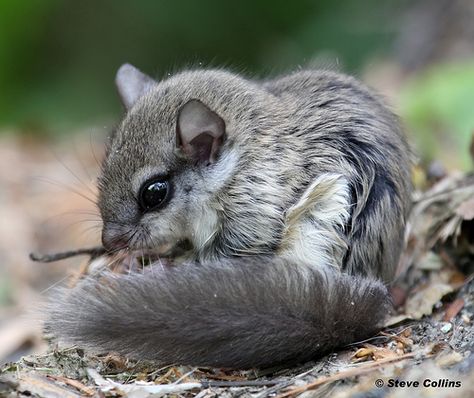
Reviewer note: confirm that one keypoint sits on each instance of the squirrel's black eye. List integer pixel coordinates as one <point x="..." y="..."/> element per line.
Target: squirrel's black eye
<point x="153" y="194"/>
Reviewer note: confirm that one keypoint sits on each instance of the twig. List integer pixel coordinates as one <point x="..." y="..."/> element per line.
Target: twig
<point x="107" y="385"/>
<point x="74" y="383"/>
<point x="93" y="252"/>
<point x="243" y="383"/>
<point x="366" y="368"/>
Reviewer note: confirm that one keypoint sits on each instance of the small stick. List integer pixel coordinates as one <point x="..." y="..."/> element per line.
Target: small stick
<point x="239" y="383"/>
<point x="93" y="252"/>
<point x="89" y="391"/>
<point x="351" y="372"/>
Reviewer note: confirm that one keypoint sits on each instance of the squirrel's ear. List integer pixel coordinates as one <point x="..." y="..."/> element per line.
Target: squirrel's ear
<point x="132" y="84"/>
<point x="200" y="132"/>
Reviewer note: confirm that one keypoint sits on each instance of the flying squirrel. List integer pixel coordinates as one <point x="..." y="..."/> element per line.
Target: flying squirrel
<point x="278" y="208"/>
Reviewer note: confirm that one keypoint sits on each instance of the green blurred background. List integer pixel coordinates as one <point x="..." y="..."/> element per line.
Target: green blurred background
<point x="58" y="58"/>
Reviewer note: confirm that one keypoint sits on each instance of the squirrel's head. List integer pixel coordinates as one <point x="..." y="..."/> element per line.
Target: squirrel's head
<point x="179" y="144"/>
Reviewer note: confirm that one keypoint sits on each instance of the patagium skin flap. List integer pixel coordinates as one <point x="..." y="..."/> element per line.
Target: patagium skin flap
<point x="281" y="205"/>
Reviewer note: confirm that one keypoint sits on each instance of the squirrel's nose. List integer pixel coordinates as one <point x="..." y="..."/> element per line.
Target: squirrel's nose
<point x="114" y="238"/>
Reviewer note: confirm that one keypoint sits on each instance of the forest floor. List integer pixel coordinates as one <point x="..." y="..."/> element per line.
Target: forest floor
<point x="425" y="349"/>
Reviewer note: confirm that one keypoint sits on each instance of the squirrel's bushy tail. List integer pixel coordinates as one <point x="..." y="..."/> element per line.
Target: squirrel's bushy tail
<point x="240" y="313"/>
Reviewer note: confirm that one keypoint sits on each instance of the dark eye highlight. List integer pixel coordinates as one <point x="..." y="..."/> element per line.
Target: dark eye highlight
<point x="154" y="194"/>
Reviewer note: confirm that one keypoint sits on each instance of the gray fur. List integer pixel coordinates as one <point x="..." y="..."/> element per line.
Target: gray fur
<point x="236" y="313"/>
<point x="301" y="210"/>
<point x="281" y="134"/>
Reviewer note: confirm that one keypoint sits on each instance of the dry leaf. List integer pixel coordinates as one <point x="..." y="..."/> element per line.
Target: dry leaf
<point x="449" y="359"/>
<point x="406" y="332"/>
<point x="384" y="353"/>
<point x="363" y="353"/>
<point x="422" y="302"/>
<point x="115" y="362"/>
<point x="373" y="352"/>
<point x="404" y="341"/>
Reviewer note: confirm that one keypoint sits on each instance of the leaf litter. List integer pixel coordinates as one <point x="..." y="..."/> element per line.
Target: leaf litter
<point x="429" y="335"/>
